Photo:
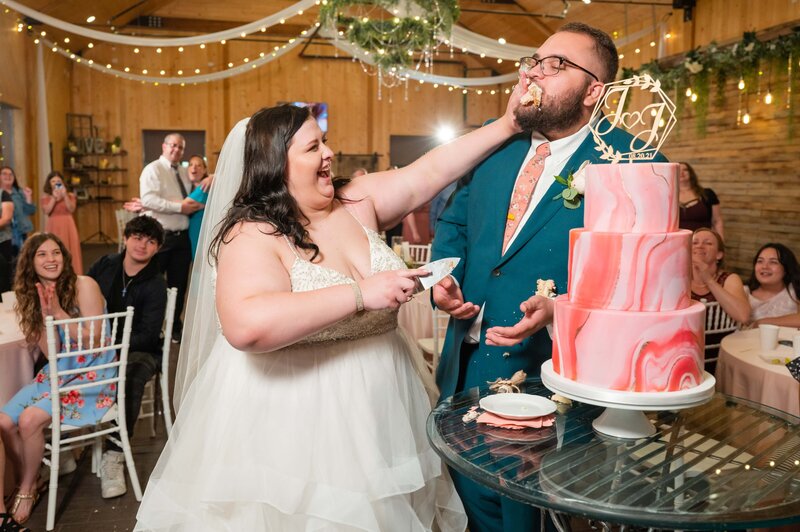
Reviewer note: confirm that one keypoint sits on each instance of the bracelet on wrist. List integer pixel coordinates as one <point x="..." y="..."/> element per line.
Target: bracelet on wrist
<point x="359" y="297"/>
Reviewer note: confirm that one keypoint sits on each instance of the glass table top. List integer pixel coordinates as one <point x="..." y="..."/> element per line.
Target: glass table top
<point x="729" y="463"/>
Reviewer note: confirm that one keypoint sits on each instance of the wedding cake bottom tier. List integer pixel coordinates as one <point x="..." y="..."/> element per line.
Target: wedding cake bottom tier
<point x="630" y="271"/>
<point x="629" y="351"/>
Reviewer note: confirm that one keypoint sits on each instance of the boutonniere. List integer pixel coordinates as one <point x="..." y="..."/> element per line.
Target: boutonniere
<point x="575" y="184"/>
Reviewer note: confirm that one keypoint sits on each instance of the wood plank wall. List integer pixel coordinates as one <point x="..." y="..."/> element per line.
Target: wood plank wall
<point x="754" y="169"/>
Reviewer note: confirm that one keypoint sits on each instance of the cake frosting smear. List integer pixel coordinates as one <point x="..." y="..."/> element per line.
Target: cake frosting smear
<point x="627" y="322"/>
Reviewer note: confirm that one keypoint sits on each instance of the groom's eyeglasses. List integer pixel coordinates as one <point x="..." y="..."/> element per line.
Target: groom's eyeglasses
<point x="550" y="65"/>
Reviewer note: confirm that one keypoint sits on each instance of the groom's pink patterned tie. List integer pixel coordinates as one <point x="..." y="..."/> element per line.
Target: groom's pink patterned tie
<point x="523" y="190"/>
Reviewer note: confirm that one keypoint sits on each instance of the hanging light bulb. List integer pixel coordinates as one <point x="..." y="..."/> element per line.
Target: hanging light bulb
<point x="768" y="98"/>
<point x="746" y="118"/>
<point x="694" y="97"/>
<point x="741" y="84"/>
<point x="688" y="92"/>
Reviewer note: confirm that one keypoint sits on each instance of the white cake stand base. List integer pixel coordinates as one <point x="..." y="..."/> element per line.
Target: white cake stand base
<point x="624" y="415"/>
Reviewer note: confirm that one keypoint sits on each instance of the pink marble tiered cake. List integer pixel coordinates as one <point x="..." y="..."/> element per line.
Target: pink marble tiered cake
<point x="627" y="322"/>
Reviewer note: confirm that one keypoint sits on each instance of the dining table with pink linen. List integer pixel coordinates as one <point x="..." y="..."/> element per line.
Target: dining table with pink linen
<point x="16" y="364"/>
<point x="745" y="370"/>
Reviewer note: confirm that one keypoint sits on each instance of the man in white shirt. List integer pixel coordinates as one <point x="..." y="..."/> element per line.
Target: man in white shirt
<point x="163" y="187"/>
<point x="509" y="229"/>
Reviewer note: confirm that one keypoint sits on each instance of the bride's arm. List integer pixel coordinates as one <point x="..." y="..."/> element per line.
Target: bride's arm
<point x="259" y="312"/>
<point x="395" y="193"/>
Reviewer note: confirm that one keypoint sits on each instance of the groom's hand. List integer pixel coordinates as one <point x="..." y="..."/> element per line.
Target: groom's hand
<point x="538" y="312"/>
<point x="448" y="297"/>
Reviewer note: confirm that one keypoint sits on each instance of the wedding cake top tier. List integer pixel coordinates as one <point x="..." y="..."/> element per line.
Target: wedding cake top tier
<point x="632" y="198"/>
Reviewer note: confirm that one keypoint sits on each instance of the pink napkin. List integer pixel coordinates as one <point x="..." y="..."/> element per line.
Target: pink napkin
<point x="516" y="424"/>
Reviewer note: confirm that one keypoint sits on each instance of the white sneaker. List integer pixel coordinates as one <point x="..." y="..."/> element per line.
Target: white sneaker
<point x="112" y="475"/>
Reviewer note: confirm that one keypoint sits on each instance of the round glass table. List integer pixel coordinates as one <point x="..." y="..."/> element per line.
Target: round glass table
<point x="728" y="463"/>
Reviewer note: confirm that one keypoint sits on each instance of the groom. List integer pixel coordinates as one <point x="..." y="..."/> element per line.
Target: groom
<point x="507" y="228"/>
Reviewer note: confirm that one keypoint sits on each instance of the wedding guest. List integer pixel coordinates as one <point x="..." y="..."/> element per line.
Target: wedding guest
<point x="163" y="188"/>
<point x="711" y="282"/>
<point x="307" y="295"/>
<point x="24" y="208"/>
<point x="197" y="171"/>
<point x="774" y="286"/>
<point x="699" y="207"/>
<point x="438" y="203"/>
<point x="6" y="239"/>
<point x="132" y="279"/>
<point x="46" y="285"/>
<point x="58" y="203"/>
<point x="508" y="236"/>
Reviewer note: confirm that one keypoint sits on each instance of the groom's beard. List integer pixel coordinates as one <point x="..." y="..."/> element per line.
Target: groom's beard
<point x="555" y="115"/>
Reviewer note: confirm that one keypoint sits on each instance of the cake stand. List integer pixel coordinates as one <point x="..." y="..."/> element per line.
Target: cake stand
<point x="624" y="415"/>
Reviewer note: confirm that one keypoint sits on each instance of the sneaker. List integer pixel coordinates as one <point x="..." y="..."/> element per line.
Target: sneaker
<point x="176" y="337"/>
<point x="112" y="475"/>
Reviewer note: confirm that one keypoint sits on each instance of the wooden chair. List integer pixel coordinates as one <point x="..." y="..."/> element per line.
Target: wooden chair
<point x="123" y="217"/>
<point x="114" y="419"/>
<point x="419" y="254"/>
<point x="718" y="324"/>
<point x="433" y="346"/>
<point x="159" y="384"/>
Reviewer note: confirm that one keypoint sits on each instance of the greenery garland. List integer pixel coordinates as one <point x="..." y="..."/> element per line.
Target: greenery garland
<point x="391" y="40"/>
<point x="744" y="60"/>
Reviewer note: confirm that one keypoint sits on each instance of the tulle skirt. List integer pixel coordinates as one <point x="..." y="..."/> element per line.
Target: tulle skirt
<point x="316" y="437"/>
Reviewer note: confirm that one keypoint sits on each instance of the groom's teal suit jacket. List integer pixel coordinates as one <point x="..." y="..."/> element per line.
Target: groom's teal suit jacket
<point x="472" y="227"/>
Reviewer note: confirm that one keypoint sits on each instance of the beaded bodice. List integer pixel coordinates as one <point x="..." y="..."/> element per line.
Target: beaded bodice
<point x="306" y="276"/>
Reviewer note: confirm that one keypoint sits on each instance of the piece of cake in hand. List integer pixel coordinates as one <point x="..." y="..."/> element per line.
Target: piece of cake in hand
<point x="533" y="96"/>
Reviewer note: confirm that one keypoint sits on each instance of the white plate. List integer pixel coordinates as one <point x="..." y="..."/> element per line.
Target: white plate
<point x="518" y="405"/>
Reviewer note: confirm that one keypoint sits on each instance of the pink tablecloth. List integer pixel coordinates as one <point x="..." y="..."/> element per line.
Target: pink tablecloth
<point x="416" y="316"/>
<point x="16" y="367"/>
<point x="741" y="372"/>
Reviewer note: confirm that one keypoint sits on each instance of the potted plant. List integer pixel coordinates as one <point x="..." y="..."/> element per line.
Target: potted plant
<point x="116" y="145"/>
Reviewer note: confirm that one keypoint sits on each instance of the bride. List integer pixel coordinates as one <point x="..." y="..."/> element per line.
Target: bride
<point x="308" y="413"/>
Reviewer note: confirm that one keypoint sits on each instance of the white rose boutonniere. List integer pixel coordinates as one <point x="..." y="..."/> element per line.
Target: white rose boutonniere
<point x="575" y="184"/>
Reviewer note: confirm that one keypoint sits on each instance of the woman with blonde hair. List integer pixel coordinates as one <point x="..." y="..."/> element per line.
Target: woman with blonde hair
<point x="710" y="282"/>
<point x="46" y="285"/>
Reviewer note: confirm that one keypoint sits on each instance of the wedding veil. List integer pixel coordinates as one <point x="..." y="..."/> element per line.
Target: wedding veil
<point x="201" y="323"/>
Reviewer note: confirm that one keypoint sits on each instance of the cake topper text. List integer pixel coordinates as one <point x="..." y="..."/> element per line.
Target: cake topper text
<point x="649" y="126"/>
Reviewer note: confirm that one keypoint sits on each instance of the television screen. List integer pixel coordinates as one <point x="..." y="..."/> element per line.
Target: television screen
<point x="320" y="112"/>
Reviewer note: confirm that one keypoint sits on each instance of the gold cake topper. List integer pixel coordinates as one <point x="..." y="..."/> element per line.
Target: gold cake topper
<point x="649" y="126"/>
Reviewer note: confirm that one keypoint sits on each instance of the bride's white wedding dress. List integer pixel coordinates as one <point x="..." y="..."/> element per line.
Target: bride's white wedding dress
<point x="327" y="434"/>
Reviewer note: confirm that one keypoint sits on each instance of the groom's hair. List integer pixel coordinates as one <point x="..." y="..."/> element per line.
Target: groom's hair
<point x="604" y="47"/>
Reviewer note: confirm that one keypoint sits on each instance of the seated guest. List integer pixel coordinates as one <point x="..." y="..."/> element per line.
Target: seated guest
<point x="773" y="287"/>
<point x="699" y="206"/>
<point x="46" y="285"/>
<point x="710" y="282"/>
<point x="132" y="278"/>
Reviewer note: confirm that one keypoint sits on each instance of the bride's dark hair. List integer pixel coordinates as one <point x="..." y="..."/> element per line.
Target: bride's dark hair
<point x="263" y="195"/>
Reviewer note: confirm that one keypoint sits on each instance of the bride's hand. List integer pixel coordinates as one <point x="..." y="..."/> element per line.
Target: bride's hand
<point x="389" y="289"/>
<point x="513" y="102"/>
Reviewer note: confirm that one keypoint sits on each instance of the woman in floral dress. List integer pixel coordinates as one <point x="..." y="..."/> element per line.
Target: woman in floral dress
<point x="46" y="285"/>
